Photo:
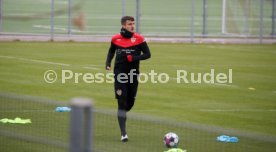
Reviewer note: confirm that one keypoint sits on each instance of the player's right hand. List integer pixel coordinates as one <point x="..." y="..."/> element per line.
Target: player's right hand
<point x="108" y="68"/>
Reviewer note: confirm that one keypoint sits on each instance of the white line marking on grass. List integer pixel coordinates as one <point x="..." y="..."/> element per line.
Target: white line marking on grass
<point x="48" y="27"/>
<point x="57" y="28"/>
<point x="91" y="68"/>
<point x="95" y="65"/>
<point x="34" y="60"/>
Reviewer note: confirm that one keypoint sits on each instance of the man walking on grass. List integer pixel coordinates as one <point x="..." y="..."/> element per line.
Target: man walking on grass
<point x="130" y="47"/>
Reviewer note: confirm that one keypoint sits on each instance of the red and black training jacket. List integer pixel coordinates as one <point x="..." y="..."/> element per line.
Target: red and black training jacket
<point x="135" y="46"/>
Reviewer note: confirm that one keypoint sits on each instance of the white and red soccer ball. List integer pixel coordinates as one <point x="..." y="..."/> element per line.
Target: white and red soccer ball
<point x="171" y="140"/>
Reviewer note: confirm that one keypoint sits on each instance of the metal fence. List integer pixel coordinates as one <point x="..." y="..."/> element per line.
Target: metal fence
<point x="86" y="128"/>
<point x="154" y="18"/>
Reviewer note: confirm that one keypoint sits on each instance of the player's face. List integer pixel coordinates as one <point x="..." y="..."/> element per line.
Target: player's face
<point x="129" y="25"/>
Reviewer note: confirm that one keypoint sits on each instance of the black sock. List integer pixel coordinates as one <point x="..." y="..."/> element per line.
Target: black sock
<point x="122" y="121"/>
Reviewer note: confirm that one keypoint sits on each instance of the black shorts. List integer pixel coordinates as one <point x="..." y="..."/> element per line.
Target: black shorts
<point x="126" y="90"/>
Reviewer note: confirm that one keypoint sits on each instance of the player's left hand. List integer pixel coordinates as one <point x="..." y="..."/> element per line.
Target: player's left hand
<point x="108" y="68"/>
<point x="129" y="58"/>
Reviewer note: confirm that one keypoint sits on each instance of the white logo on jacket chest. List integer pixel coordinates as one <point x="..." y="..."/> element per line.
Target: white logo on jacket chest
<point x="127" y="50"/>
<point x="133" y="39"/>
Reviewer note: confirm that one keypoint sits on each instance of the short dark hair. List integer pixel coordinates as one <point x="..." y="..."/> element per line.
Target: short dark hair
<point x="125" y="18"/>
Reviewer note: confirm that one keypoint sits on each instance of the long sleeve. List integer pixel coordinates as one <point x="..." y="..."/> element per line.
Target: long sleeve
<point x="145" y="52"/>
<point x="110" y="55"/>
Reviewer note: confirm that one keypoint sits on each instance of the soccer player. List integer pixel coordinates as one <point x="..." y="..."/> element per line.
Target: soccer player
<point x="130" y="47"/>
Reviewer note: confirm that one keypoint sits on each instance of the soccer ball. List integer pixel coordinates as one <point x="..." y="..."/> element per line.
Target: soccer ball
<point x="171" y="140"/>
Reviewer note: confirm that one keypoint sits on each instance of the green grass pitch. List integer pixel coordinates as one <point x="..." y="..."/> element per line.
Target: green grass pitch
<point x="235" y="106"/>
